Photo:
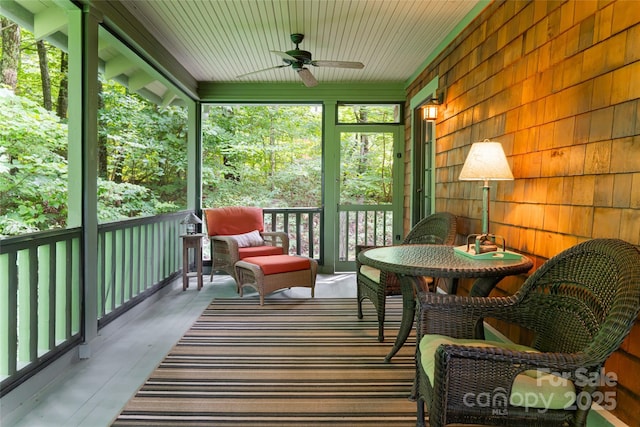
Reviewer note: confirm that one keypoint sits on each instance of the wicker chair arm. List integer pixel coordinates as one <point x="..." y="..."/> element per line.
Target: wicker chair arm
<point x="361" y="248"/>
<point x="519" y="360"/>
<point x="231" y="243"/>
<point x="276" y="238"/>
<point x="492" y="370"/>
<point x="457" y="316"/>
<point x="224" y="251"/>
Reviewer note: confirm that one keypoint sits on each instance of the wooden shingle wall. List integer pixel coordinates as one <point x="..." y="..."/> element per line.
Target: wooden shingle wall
<point x="558" y="84"/>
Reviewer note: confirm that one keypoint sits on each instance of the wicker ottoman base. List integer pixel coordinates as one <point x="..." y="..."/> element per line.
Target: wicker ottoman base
<point x="249" y="273"/>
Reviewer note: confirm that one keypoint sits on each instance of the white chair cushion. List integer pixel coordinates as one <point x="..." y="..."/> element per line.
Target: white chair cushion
<point x="371" y="273"/>
<point x="531" y="389"/>
<point x="252" y="238"/>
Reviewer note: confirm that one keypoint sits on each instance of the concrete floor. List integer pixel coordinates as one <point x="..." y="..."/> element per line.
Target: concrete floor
<point x="91" y="392"/>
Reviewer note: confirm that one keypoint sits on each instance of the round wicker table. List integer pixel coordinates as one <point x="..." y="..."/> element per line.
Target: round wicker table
<point x="414" y="262"/>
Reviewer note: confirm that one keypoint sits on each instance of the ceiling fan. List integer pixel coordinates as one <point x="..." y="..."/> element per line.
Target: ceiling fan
<point x="297" y="59"/>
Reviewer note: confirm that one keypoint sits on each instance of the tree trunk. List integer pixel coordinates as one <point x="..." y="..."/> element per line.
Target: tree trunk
<point x="102" y="136"/>
<point x="10" y="53"/>
<point x="63" y="91"/>
<point x="44" y="75"/>
<point x="363" y="164"/>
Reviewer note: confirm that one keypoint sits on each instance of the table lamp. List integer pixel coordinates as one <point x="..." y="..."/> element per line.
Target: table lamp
<point x="486" y="162"/>
<point x="191" y="220"/>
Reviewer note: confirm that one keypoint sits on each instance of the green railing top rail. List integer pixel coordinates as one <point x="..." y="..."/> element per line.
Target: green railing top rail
<point x="25" y="241"/>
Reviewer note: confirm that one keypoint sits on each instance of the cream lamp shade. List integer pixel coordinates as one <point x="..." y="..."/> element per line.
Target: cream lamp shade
<point x="486" y="162"/>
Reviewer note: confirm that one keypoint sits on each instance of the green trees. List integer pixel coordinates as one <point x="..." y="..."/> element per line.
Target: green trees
<point x="33" y="166"/>
<point x="142" y="147"/>
<point x="142" y="150"/>
<point x="266" y="155"/>
<point x="260" y="155"/>
<point x="271" y="156"/>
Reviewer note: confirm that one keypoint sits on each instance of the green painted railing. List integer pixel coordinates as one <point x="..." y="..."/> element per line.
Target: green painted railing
<point x="136" y="257"/>
<point x="302" y="225"/>
<point x="40" y="300"/>
<point x="41" y="286"/>
<point x="41" y="275"/>
<point x="358" y="225"/>
<point x="363" y="225"/>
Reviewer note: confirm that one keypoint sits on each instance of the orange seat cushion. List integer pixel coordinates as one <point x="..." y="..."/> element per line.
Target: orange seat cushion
<point x="259" y="251"/>
<point x="232" y="220"/>
<point x="279" y="263"/>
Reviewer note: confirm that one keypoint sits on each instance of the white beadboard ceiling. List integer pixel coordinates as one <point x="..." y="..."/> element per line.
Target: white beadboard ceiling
<point x="217" y="40"/>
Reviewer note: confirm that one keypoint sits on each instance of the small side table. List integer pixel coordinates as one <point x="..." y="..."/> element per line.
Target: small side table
<point x="191" y="241"/>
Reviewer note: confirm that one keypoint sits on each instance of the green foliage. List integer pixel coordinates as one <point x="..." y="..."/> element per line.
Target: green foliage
<point x="117" y="201"/>
<point x="369" y="113"/>
<point x="33" y="174"/>
<point x="33" y="167"/>
<point x="261" y="155"/>
<point x="267" y="156"/>
<point x="145" y="147"/>
<point x="29" y="78"/>
<point x="366" y="162"/>
<point x="270" y="156"/>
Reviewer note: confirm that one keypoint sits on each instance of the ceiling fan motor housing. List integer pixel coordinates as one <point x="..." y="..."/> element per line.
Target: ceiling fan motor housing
<point x="302" y="57"/>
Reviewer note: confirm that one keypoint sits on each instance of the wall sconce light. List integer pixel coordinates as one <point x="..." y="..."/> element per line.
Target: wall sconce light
<point x="430" y="109"/>
<point x="191" y="221"/>
<point x="430" y="112"/>
<point x="486" y="162"/>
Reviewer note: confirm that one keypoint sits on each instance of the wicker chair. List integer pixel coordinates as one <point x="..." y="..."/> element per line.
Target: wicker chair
<point x="225" y="224"/>
<point x="376" y="285"/>
<point x="579" y="305"/>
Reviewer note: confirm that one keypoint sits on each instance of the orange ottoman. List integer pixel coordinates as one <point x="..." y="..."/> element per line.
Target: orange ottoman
<point x="270" y="273"/>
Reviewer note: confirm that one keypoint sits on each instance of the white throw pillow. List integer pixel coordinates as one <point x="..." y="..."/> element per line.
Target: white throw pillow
<point x="253" y="238"/>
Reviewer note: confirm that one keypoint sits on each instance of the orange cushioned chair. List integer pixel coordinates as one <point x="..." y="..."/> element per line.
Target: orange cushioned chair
<point x="238" y="232"/>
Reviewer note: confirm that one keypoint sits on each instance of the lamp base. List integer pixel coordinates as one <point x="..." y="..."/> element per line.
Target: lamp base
<point x="483" y="243"/>
<point x="486" y="246"/>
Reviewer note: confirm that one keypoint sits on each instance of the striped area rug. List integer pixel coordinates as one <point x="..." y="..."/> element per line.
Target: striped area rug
<point x="298" y="362"/>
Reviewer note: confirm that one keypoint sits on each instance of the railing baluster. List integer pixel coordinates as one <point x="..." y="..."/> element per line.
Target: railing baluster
<point x="32" y="315"/>
<point x="52" y="292"/>
<point x="345" y="254"/>
<point x="113" y="285"/>
<point x="12" y="313"/>
<point x="155" y="244"/>
<point x="134" y="257"/>
<point x="121" y="257"/>
<point x="147" y="251"/>
<point x="298" y="234"/>
<point x="310" y="219"/>
<point x="65" y="311"/>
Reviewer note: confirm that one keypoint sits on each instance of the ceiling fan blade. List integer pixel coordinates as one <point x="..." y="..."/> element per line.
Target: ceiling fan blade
<point x="338" y="64"/>
<point x="260" y="71"/>
<point x="284" y="55"/>
<point x="307" y="77"/>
